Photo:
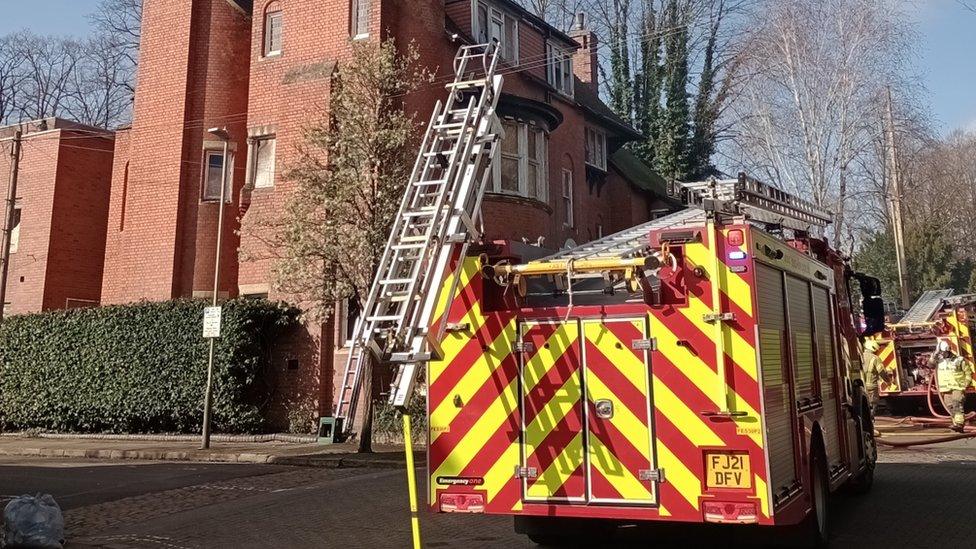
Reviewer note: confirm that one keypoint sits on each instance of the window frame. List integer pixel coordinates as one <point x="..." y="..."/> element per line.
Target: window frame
<point x="567" y="200"/>
<point x="559" y="69"/>
<point x="358" y="24"/>
<point x="540" y="161"/>
<point x="268" y="47"/>
<point x="229" y="183"/>
<point x="595" y="156"/>
<point x="510" y="52"/>
<point x="255" y="143"/>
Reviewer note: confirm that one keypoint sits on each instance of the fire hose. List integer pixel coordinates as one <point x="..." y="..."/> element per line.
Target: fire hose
<point x="939" y="419"/>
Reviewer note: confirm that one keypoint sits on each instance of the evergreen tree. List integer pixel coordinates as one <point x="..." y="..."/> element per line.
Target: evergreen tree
<point x="621" y="85"/>
<point x="702" y="145"/>
<point x="671" y="155"/>
<point x="648" y="84"/>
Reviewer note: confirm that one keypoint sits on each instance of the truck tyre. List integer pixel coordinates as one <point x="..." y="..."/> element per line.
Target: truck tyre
<point x="861" y="483"/>
<point x="817" y="524"/>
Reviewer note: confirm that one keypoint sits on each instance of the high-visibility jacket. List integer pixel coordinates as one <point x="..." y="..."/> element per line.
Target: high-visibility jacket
<point x="955" y="374"/>
<point x="872" y="368"/>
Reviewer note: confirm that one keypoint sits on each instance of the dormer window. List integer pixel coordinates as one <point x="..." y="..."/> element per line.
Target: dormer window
<point x="559" y="67"/>
<point x="492" y="23"/>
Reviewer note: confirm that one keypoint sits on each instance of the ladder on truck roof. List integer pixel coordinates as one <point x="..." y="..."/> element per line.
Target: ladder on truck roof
<point x="744" y="196"/>
<point x="438" y="219"/>
<point x="925" y="308"/>
<point x="756" y="200"/>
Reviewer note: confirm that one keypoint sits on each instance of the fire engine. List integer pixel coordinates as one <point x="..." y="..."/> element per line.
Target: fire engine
<point x="905" y="346"/>
<point x="697" y="368"/>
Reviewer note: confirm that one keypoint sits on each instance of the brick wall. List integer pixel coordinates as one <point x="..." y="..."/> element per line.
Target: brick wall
<point x="80" y="216"/>
<point x="62" y="193"/>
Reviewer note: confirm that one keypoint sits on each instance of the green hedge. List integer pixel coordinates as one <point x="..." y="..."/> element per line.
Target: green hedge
<point x="136" y="368"/>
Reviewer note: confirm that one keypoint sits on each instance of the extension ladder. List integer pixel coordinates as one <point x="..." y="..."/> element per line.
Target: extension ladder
<point x="439" y="217"/>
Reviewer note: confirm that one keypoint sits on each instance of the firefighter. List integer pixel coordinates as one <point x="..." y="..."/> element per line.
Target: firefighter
<point x="954" y="375"/>
<point x="873" y="368"/>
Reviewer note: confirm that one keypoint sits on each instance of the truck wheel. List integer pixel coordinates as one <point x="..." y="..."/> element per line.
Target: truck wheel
<point x="818" y="523"/>
<point x="862" y="483"/>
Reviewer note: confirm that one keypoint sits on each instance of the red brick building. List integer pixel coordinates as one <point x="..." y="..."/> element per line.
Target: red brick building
<point x="263" y="70"/>
<point x="58" y="237"/>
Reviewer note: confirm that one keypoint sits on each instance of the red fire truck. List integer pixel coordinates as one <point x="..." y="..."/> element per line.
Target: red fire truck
<point x="905" y="346"/>
<point x="694" y="369"/>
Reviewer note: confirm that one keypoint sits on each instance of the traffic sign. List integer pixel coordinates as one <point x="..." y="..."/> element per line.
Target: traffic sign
<point x="211" y="322"/>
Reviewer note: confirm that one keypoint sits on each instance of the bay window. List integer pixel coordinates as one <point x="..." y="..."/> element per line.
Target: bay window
<point x="520" y="169"/>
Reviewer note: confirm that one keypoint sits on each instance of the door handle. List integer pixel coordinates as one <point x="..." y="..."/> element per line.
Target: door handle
<point x="604" y="408"/>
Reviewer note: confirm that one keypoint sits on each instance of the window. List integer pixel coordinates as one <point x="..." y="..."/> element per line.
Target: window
<point x="359" y="25"/>
<point x="347" y="318"/>
<point x="263" y="159"/>
<point x="273" y="28"/>
<point x="560" y="69"/>
<point x="596" y="148"/>
<point x="521" y="168"/>
<point x="568" y="198"/>
<point x="15" y="232"/>
<point x="495" y="24"/>
<point x="213" y="171"/>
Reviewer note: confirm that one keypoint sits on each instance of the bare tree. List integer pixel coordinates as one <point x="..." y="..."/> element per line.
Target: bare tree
<point x="99" y="89"/>
<point x="49" y="65"/>
<point x="10" y="78"/>
<point x="810" y="105"/>
<point x="119" y="23"/>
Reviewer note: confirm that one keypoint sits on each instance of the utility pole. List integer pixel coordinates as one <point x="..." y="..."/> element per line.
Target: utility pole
<point x="208" y="395"/>
<point x="896" y="221"/>
<point x="8" y="218"/>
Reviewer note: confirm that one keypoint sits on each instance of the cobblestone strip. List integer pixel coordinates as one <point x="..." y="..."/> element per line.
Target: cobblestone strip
<point x="95" y="522"/>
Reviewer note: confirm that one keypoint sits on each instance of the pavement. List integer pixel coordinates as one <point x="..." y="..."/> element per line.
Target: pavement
<point x="918" y="501"/>
<point x="921" y="499"/>
<point x="181" y="449"/>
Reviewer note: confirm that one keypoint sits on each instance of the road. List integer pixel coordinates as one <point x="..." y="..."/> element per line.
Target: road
<point x="920" y="500"/>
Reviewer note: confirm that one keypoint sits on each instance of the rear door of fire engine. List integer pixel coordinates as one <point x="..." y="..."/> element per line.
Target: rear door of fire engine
<point x="587" y="430"/>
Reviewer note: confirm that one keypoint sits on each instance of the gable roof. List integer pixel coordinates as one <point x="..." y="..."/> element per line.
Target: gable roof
<point x="590" y="100"/>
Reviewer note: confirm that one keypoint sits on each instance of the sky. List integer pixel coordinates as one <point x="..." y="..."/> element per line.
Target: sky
<point x="945" y="59"/>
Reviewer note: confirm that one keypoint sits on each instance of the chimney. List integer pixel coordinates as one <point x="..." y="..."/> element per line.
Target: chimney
<point x="585" y="63"/>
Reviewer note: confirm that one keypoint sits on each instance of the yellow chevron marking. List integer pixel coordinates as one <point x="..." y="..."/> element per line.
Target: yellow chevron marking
<point x="763" y="494"/>
<point x="663" y="511"/>
<point x="618" y="353"/>
<point x="454" y="343"/>
<point x="701" y="375"/>
<point x="500" y="472"/>
<point x="736" y="347"/>
<point x="630" y="426"/>
<point x="559" y="471"/>
<point x="678" y="413"/>
<point x="563" y="401"/>
<point x="623" y="480"/>
<point x="474" y="378"/>
<point x="538" y="366"/>
<point x="475" y="439"/>
<point x="683" y="480"/>
<point x="732" y="285"/>
<point x="887" y="349"/>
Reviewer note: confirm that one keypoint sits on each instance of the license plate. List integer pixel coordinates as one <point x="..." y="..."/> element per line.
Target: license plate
<point x="727" y="470"/>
